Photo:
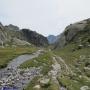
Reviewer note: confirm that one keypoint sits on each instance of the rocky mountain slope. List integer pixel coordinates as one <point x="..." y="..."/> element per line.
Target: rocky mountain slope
<point x="12" y="35"/>
<point x="74" y="47"/>
<point x="70" y="61"/>
<point x="76" y="32"/>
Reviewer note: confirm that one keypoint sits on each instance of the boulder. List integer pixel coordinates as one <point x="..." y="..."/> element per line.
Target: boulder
<point x="44" y="82"/>
<point x="37" y="87"/>
<point x="84" y="88"/>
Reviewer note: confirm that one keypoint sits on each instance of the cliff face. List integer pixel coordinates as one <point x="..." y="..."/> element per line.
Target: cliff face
<point x="3" y="34"/>
<point x="73" y="33"/>
<point x="12" y="35"/>
<point x="34" y="38"/>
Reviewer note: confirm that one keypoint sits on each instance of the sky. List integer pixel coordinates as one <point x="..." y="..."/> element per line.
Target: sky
<point x="44" y="16"/>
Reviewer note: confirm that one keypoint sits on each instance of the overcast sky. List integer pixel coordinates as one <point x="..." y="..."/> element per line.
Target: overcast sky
<point x="44" y="16"/>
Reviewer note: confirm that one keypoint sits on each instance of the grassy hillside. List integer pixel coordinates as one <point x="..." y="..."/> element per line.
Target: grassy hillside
<point x="8" y="53"/>
<point x="78" y="59"/>
<point x="44" y="60"/>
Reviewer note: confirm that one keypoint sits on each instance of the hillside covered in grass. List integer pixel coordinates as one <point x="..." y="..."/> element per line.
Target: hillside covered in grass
<point x="8" y="53"/>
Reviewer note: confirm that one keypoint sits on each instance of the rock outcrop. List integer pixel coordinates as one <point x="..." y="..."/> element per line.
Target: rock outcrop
<point x="34" y="38"/>
<point x="74" y="33"/>
<point x="12" y="35"/>
<point x="3" y="38"/>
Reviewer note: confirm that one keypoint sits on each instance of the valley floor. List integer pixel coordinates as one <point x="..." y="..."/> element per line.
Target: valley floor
<point x="47" y="70"/>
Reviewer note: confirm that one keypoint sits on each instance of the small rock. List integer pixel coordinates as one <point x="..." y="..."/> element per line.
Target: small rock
<point x="37" y="87"/>
<point x="44" y="81"/>
<point x="84" y="88"/>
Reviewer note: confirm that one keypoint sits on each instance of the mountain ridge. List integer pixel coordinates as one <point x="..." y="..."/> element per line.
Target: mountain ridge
<point x="71" y="32"/>
<point x="8" y="34"/>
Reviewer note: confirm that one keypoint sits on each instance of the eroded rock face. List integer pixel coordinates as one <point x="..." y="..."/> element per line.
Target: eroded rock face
<point x="73" y="29"/>
<point x="61" y="41"/>
<point x="34" y="37"/>
<point x="13" y="35"/>
<point x="12" y="27"/>
<point x="71" y="32"/>
<point x="19" y="42"/>
<point x="2" y="34"/>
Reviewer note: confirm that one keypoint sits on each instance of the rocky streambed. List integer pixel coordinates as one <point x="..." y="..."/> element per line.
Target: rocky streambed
<point x="13" y="78"/>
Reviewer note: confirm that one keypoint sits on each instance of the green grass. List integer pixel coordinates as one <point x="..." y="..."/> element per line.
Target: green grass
<point x="7" y="54"/>
<point x="44" y="60"/>
<point x="71" y="54"/>
<point x="71" y="57"/>
<point x="53" y="86"/>
<point x="32" y="84"/>
<point x="71" y="84"/>
<point x="35" y="81"/>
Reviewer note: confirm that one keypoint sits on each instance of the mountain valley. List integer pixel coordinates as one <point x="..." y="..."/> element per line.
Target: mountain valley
<point x="56" y="62"/>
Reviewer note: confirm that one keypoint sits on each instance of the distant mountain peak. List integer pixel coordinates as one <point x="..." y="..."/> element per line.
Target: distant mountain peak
<point x="52" y="39"/>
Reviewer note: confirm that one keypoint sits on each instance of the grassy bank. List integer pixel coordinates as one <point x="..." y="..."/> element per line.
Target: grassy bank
<point x="71" y="53"/>
<point x="7" y="54"/>
<point x="34" y="82"/>
<point x="77" y="59"/>
<point x="44" y="60"/>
